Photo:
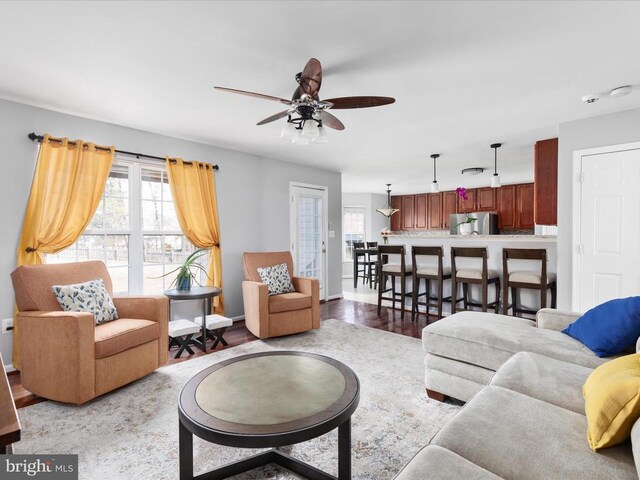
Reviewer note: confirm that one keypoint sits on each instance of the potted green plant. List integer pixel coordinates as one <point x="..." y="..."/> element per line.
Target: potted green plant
<point x="187" y="271"/>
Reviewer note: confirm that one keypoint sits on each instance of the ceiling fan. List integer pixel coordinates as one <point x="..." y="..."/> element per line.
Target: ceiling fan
<point x="306" y="113"/>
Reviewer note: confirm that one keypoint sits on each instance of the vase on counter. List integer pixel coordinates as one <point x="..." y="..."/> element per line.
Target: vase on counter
<point x="465" y="228"/>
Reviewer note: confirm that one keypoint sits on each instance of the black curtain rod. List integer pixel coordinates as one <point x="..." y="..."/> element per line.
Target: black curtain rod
<point x="38" y="138"/>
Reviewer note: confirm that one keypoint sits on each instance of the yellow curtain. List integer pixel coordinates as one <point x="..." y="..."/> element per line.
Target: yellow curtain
<point x="67" y="187"/>
<point x="194" y="196"/>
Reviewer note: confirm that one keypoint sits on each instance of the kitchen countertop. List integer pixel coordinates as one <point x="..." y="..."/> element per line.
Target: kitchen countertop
<point x="484" y="238"/>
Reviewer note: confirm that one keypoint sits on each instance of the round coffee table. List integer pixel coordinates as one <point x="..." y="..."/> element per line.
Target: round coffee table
<point x="269" y="399"/>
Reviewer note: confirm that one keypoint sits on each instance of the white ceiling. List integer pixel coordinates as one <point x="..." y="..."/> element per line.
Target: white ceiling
<point x="465" y="74"/>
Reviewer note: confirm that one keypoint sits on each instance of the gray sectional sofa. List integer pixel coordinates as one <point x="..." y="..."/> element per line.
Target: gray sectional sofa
<point x="527" y="421"/>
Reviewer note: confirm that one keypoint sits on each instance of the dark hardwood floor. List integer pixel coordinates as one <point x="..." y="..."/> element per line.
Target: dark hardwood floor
<point x="346" y="310"/>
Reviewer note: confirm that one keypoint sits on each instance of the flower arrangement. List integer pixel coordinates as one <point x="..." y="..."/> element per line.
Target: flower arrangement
<point x="384" y="233"/>
<point x="462" y="193"/>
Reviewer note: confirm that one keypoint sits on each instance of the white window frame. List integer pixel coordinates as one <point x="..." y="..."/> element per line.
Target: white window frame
<point x="346" y="258"/>
<point x="135" y="231"/>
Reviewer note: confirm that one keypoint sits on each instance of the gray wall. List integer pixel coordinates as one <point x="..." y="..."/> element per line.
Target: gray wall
<point x="613" y="129"/>
<point x="252" y="191"/>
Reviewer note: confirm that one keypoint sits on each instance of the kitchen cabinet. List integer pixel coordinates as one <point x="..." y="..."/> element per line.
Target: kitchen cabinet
<point x="406" y="212"/>
<point x="396" y="218"/>
<point x="421" y="205"/>
<point x="515" y="206"/>
<point x="486" y="200"/>
<point x="435" y="211"/>
<point x="449" y="206"/>
<point x="468" y="206"/>
<point x="545" y="171"/>
<point x="506" y="207"/>
<point x="524" y="206"/>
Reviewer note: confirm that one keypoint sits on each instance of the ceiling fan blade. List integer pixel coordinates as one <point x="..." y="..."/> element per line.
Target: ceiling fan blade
<point x="273" y="118"/>
<point x="359" y="102"/>
<point x="257" y="95"/>
<point x="311" y="78"/>
<point x="330" y="121"/>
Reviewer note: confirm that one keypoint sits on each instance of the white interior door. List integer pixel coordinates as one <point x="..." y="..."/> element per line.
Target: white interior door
<point x="608" y="251"/>
<point x="309" y="233"/>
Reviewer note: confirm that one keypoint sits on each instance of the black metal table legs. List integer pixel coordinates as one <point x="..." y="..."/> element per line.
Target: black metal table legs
<point x="270" y="456"/>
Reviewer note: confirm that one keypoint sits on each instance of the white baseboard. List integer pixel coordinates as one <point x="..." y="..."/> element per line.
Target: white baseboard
<point x="237" y="318"/>
<point x="334" y="297"/>
<point x="9" y="368"/>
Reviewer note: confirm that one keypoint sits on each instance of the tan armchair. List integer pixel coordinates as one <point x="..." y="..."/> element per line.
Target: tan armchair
<point x="272" y="316"/>
<point x="64" y="356"/>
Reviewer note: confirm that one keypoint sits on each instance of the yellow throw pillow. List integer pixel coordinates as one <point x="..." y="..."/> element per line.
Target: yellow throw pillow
<point x="612" y="401"/>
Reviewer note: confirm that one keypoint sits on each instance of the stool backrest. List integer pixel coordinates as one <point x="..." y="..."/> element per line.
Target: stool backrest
<point x="427" y="252"/>
<point x="358" y="244"/>
<point x="372" y="244"/>
<point x="539" y="254"/>
<point x="479" y="252"/>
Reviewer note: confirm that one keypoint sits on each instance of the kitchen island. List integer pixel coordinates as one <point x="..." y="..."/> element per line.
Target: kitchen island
<point x="494" y="245"/>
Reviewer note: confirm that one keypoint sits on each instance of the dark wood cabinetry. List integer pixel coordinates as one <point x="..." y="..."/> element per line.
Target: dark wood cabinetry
<point x="515" y="206"/>
<point x="407" y="212"/>
<point x="545" y="174"/>
<point x="449" y="206"/>
<point x="421" y="206"/>
<point x="431" y="211"/>
<point x="507" y="207"/>
<point x="435" y="211"/>
<point x="486" y="199"/>
<point x="396" y="218"/>
<point x="524" y="206"/>
<point x="469" y="205"/>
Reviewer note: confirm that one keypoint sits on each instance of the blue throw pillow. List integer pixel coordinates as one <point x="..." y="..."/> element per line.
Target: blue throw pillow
<point x="609" y="328"/>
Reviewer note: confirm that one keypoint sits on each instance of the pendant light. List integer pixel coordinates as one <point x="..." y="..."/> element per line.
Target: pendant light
<point x="387" y="211"/>
<point x="495" y="180"/>
<point x="434" y="185"/>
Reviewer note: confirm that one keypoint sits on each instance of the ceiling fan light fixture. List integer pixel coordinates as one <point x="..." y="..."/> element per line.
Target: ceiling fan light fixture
<point x="288" y="131"/>
<point x="387" y="211"/>
<point x="310" y="129"/>
<point x="322" y="136"/>
<point x="298" y="139"/>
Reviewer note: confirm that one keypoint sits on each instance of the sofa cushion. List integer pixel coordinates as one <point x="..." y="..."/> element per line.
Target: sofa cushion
<point x="289" y="301"/>
<point x="123" y="334"/>
<point x="609" y="328"/>
<point x="552" y="381"/>
<point x="489" y="340"/>
<point x="91" y="297"/>
<point x="277" y="279"/>
<point x="612" y="401"/>
<point x="444" y="465"/>
<point x="516" y="436"/>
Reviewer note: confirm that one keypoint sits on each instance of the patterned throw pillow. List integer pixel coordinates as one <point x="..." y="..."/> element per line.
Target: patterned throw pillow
<point x="91" y="296"/>
<point x="277" y="278"/>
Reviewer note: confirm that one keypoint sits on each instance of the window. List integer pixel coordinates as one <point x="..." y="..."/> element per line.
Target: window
<point x="354" y="229"/>
<point x="135" y="231"/>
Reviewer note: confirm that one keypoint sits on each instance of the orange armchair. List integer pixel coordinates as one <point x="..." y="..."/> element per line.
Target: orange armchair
<point x="64" y="356"/>
<point x="273" y="316"/>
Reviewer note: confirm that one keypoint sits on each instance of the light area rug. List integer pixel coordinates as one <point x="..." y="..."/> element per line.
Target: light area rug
<point x="133" y="432"/>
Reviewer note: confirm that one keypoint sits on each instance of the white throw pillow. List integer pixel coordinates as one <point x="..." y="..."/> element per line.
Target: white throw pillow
<point x="91" y="296"/>
<point x="277" y="279"/>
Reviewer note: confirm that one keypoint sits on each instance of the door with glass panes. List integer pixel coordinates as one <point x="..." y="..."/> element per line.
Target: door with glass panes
<point x="308" y="233"/>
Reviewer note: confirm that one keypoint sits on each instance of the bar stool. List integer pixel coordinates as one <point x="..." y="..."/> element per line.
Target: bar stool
<point x="473" y="276"/>
<point x="437" y="273"/>
<point x="372" y="261"/>
<point x="528" y="279"/>
<point x="357" y="271"/>
<point x="393" y="270"/>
